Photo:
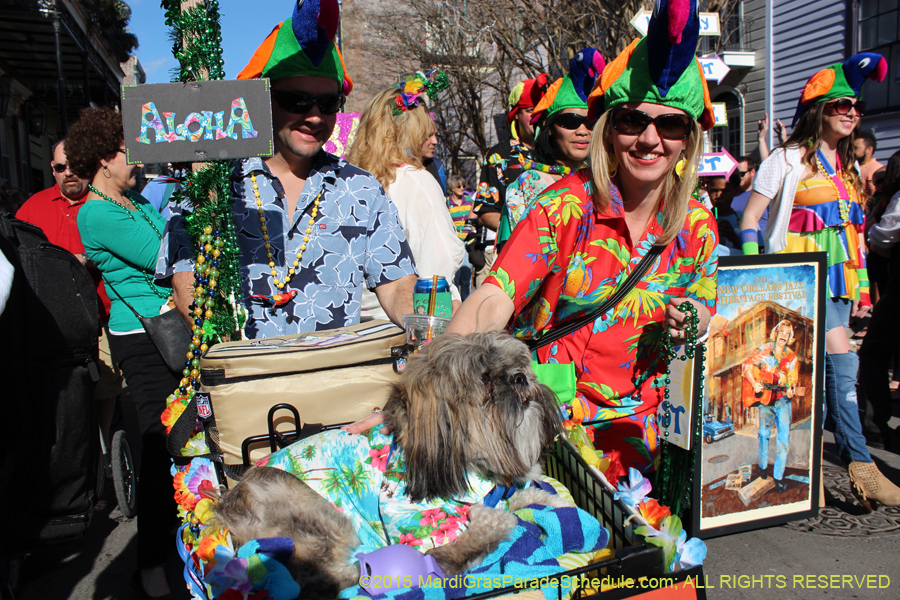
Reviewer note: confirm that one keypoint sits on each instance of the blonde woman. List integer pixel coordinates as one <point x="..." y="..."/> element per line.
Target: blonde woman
<point x="587" y="232"/>
<point x="389" y="144"/>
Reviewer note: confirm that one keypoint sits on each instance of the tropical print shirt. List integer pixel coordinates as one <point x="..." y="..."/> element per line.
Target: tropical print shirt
<point x="365" y="479"/>
<point x="520" y="194"/>
<point x="502" y="166"/>
<point x="563" y="259"/>
<point x="765" y="367"/>
<point x="356" y="240"/>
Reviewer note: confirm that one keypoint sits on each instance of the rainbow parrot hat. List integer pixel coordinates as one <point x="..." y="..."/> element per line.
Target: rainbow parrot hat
<point x="302" y="45"/>
<point x="527" y="94"/>
<point x="571" y="90"/>
<point x="661" y="67"/>
<point x="419" y="88"/>
<point x="841" y="80"/>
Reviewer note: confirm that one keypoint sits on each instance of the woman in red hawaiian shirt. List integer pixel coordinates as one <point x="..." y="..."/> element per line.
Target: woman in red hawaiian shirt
<point x="588" y="231"/>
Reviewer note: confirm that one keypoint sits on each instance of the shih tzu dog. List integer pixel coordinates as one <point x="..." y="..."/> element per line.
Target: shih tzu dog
<point x="467" y="417"/>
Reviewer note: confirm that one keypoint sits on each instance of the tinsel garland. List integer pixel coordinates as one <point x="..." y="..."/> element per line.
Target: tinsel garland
<point x="196" y="40"/>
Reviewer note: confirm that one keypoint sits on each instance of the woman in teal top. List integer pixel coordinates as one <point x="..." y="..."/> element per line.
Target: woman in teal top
<point x="121" y="233"/>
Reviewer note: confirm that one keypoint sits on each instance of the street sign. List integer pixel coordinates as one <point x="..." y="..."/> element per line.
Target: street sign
<point x="197" y="121"/>
<point x="709" y="22"/>
<point x="721" y="113"/>
<point x="717" y="163"/>
<point x="714" y="68"/>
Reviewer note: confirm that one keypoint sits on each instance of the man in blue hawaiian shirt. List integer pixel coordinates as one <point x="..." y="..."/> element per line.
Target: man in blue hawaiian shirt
<point x="329" y="226"/>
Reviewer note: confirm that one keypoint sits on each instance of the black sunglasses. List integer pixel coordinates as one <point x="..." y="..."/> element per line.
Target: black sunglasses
<point x="843" y="106"/>
<point x="60" y="167"/>
<point x="300" y="103"/>
<point x="671" y="126"/>
<point x="573" y="121"/>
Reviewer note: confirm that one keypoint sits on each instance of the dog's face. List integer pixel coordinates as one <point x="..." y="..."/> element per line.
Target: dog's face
<point x="470" y="402"/>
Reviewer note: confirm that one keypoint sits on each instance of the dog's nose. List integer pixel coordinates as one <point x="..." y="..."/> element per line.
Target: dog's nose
<point x="518" y="379"/>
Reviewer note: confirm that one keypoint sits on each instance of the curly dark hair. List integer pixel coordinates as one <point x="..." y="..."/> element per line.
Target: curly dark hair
<point x="98" y="133"/>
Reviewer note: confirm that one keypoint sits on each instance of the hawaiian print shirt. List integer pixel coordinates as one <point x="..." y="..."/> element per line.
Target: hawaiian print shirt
<point x="364" y="479"/>
<point x="502" y="166"/>
<point x="356" y="239"/>
<point x="765" y="367"/>
<point x="563" y="259"/>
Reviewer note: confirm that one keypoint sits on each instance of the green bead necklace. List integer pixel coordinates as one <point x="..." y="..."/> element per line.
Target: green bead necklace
<point x="676" y="468"/>
<point x="137" y="208"/>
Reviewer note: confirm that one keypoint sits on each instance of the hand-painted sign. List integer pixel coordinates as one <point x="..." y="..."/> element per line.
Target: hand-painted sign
<point x="709" y="22"/>
<point x="197" y="121"/>
<point x="717" y="163"/>
<point x="344" y="132"/>
<point x="714" y="68"/>
<point x="721" y="113"/>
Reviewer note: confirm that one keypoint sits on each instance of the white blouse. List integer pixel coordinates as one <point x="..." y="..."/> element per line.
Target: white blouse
<point x="436" y="248"/>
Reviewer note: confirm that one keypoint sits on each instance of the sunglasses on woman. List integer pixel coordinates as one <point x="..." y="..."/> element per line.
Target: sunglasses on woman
<point x="843" y="106"/>
<point x="573" y="121"/>
<point x="299" y="103"/>
<point x="671" y="126"/>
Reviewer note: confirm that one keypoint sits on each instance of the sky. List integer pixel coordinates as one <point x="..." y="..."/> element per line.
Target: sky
<point x="245" y="24"/>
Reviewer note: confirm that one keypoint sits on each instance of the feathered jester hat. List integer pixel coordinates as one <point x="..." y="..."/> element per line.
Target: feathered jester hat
<point x="841" y="80"/>
<point x="661" y="68"/>
<point x="527" y="94"/>
<point x="571" y="90"/>
<point x="302" y="45"/>
<point x="419" y="87"/>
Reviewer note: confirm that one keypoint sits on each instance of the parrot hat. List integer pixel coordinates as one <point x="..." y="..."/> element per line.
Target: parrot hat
<point x="302" y="45"/>
<point x="841" y="80"/>
<point x="661" y="67"/>
<point x="571" y="90"/>
<point x="527" y="94"/>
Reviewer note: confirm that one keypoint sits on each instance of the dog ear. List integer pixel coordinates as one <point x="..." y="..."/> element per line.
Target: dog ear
<point x="429" y="430"/>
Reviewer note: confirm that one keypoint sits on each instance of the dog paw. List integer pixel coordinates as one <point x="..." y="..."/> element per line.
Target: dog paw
<point x="531" y="495"/>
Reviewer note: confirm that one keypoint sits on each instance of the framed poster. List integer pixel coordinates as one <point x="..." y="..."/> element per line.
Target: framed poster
<point x="759" y="456"/>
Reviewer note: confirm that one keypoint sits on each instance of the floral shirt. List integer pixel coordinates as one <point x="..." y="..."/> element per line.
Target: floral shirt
<point x="356" y="240"/>
<point x="767" y="368"/>
<point x="563" y="259"/>
<point x="501" y="167"/>
<point x="364" y="478"/>
<point x="520" y="194"/>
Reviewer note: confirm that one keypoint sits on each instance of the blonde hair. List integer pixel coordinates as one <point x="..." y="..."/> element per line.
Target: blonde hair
<point x="385" y="141"/>
<point x="782" y="323"/>
<point x="677" y="190"/>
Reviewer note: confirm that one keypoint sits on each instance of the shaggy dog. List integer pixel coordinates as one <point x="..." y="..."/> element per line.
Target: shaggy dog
<point x="466" y="409"/>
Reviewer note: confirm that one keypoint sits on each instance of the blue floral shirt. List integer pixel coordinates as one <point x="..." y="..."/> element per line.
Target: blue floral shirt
<point x="356" y="239"/>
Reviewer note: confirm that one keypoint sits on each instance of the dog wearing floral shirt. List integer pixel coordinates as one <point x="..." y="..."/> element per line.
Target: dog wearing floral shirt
<point x="469" y="420"/>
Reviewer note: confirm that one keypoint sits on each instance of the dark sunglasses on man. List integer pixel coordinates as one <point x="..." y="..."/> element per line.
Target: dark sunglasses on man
<point x="60" y="167"/>
<point x="299" y="103"/>
<point x="843" y="106"/>
<point x="573" y="121"/>
<point x="671" y="126"/>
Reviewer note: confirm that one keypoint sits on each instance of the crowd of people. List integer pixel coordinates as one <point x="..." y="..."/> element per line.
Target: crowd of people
<point x="594" y="181"/>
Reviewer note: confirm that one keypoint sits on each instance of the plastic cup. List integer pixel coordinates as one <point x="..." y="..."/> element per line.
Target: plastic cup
<point x="417" y="328"/>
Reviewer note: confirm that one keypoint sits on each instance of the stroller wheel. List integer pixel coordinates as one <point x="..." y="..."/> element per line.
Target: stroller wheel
<point x="124" y="480"/>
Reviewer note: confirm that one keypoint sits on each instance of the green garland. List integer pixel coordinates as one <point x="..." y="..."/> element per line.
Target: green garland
<point x="196" y="40"/>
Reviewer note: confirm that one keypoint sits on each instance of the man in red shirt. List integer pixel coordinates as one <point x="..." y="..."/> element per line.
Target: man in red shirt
<point x="55" y="211"/>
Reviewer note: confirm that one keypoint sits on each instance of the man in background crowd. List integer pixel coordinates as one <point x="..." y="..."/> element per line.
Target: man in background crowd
<point x="864" y="148"/>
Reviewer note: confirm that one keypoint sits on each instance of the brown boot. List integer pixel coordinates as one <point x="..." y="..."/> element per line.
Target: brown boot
<point x="870" y="487"/>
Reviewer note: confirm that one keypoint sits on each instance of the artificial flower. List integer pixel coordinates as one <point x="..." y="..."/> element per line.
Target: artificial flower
<point x="634" y="491"/>
<point x="689" y="553"/>
<point x="666" y="537"/>
<point x="653" y="512"/>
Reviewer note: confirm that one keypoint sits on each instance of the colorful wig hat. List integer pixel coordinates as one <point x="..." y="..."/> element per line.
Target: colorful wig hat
<point x="527" y="94"/>
<point x="841" y="80"/>
<point x="419" y="87"/>
<point x="661" y="68"/>
<point x="571" y="90"/>
<point x="302" y="45"/>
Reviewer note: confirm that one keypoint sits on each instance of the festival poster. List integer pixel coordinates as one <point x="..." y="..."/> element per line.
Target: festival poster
<point x="760" y="449"/>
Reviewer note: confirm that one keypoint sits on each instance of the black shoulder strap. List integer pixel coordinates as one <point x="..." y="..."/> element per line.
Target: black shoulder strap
<point x="574" y="325"/>
<point x="124" y="301"/>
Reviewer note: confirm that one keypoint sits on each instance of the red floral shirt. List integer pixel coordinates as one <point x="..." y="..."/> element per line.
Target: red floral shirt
<point x="564" y="259"/>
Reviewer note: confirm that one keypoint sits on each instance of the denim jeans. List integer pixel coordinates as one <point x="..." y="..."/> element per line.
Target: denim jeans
<point x="841" y="407"/>
<point x="778" y="414"/>
<point x="463" y="278"/>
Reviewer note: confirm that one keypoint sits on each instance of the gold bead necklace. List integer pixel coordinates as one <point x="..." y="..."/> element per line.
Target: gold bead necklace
<point x="262" y="221"/>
